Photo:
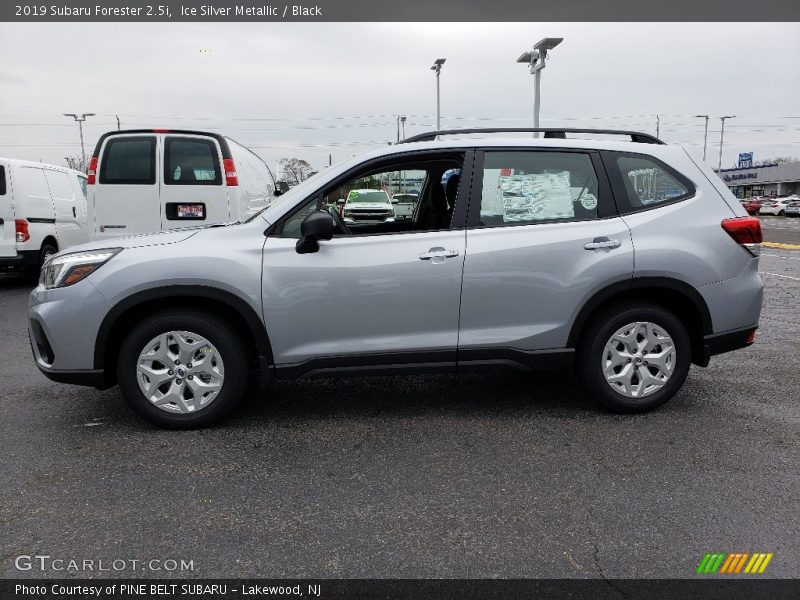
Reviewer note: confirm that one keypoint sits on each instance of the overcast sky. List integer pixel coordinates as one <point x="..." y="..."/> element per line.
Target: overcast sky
<point x="307" y="90"/>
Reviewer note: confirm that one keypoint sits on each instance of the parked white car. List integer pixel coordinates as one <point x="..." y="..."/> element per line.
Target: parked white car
<point x="145" y="181"/>
<point x="775" y="206"/>
<point x="42" y="211"/>
<point x="367" y="207"/>
<point x="793" y="207"/>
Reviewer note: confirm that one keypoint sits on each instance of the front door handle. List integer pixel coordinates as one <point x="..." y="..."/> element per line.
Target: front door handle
<point x="74" y="213"/>
<point x="602" y="242"/>
<point x="438" y="254"/>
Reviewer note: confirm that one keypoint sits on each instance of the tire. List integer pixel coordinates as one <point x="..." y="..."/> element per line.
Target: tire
<point x="32" y="272"/>
<point x="219" y="372"/>
<point x="781" y="213"/>
<point x="596" y="351"/>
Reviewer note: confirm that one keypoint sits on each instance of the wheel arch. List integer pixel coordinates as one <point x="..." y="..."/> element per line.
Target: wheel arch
<point x="133" y="308"/>
<point x="674" y="295"/>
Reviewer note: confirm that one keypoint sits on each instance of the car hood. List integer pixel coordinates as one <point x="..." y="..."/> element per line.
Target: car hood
<point x="369" y="205"/>
<point x="136" y="241"/>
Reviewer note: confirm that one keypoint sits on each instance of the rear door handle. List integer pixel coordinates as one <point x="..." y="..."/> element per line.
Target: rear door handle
<point x="602" y="242"/>
<point x="438" y="253"/>
<point x="74" y="213"/>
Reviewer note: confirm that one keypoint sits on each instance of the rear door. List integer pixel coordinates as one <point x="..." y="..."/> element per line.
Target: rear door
<point x="126" y="192"/>
<point x="192" y="189"/>
<point x="543" y="238"/>
<point x="66" y="200"/>
<point x="7" y="228"/>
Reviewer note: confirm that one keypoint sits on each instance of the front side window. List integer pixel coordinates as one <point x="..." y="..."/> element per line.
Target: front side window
<point x="129" y="161"/>
<point x="191" y="161"/>
<point x="648" y="183"/>
<point x="523" y="188"/>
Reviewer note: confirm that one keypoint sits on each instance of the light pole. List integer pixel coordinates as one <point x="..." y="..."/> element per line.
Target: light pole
<point x="437" y="67"/>
<point x="80" y="121"/>
<point x="403" y="126"/>
<point x="535" y="59"/>
<point x="705" y="135"/>
<point x="721" y="138"/>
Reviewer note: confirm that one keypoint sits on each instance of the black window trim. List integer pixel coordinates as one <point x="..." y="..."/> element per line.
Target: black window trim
<point x="128" y="138"/>
<point x="2" y="180"/>
<point x="624" y="207"/>
<point x="458" y="222"/>
<point x="606" y="206"/>
<point x="215" y="152"/>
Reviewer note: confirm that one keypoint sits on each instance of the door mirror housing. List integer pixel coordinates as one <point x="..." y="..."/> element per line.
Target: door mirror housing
<point x="340" y="201"/>
<point x="316" y="226"/>
<point x="281" y="188"/>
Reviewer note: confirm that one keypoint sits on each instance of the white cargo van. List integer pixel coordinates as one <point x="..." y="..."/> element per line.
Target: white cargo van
<point x="42" y="211"/>
<point x="143" y="181"/>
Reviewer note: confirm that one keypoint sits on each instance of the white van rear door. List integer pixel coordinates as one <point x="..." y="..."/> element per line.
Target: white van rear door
<point x="126" y="190"/>
<point x="65" y="202"/>
<point x="193" y="190"/>
<point x="7" y="228"/>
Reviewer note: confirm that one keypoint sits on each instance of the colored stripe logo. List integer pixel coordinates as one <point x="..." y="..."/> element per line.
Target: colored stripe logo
<point x="734" y="563"/>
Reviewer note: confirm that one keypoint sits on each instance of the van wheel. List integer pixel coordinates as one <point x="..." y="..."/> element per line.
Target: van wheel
<point x="634" y="357"/>
<point x="46" y="252"/>
<point x="183" y="369"/>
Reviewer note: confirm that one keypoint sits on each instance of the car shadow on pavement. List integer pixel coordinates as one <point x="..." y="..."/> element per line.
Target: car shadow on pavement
<point x="16" y="282"/>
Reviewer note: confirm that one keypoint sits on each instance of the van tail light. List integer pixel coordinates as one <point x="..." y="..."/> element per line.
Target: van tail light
<point x="231" y="178"/>
<point x="91" y="171"/>
<point x="745" y="231"/>
<point x="21" y="226"/>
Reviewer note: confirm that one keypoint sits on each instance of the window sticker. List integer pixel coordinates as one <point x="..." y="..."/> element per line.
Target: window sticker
<point x="536" y="197"/>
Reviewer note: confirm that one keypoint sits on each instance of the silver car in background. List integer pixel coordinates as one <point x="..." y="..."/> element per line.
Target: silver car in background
<point x="626" y="260"/>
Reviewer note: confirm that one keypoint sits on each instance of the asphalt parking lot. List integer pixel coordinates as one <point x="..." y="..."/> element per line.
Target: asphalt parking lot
<point x="435" y="476"/>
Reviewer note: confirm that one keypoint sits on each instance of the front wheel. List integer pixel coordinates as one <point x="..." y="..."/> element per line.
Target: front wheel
<point x="634" y="357"/>
<point x="183" y="369"/>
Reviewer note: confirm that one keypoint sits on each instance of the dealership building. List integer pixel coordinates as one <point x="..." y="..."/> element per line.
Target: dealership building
<point x="764" y="180"/>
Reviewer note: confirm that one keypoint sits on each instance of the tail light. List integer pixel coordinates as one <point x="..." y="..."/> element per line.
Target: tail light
<point x="745" y="231"/>
<point x="21" y="226"/>
<point x="231" y="178"/>
<point x="91" y="171"/>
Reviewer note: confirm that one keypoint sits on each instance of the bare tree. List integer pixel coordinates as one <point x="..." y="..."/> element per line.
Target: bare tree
<point x="294" y="170"/>
<point x="778" y="160"/>
<point x="75" y="162"/>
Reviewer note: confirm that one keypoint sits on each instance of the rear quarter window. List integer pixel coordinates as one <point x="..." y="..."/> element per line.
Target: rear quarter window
<point x="129" y="161"/>
<point x="643" y="182"/>
<point x="2" y="181"/>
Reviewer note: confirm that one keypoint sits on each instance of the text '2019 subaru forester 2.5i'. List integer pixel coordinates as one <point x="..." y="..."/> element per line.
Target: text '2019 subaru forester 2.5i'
<point x="627" y="260"/>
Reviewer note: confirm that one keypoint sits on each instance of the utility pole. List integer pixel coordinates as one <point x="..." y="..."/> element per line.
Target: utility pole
<point x="658" y="125"/>
<point x="118" y="125"/>
<point x="535" y="59"/>
<point x="80" y="121"/>
<point x="403" y="126"/>
<point x="397" y="119"/>
<point x="705" y="135"/>
<point x="721" y="139"/>
<point x="437" y="67"/>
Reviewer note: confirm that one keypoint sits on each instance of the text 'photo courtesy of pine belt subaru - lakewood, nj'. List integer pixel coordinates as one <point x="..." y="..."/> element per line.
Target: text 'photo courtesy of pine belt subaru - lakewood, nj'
<point x="626" y="260"/>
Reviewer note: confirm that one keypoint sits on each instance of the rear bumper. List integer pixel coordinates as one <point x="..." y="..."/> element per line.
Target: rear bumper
<point x="24" y="260"/>
<point x="727" y="341"/>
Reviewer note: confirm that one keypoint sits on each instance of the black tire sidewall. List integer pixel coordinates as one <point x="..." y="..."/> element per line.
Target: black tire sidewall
<point x="219" y="333"/>
<point x="591" y="352"/>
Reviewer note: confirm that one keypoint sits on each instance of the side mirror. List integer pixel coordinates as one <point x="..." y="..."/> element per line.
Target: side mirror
<point x="340" y="201"/>
<point x="316" y="226"/>
<point x="395" y="201"/>
<point x="281" y="188"/>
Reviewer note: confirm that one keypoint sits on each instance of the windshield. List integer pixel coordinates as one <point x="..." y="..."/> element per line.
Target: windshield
<point x="375" y="196"/>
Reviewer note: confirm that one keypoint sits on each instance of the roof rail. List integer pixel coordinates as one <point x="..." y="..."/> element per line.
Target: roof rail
<point x="549" y="132"/>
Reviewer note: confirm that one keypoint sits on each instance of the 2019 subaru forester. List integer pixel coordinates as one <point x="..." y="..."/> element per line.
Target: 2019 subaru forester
<point x="628" y="260"/>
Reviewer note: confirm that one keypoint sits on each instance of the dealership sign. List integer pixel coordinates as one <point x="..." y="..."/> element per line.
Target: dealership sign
<point x="740" y="176"/>
<point x="745" y="160"/>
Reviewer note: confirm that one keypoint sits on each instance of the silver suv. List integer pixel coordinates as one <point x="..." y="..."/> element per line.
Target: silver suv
<point x="627" y="260"/>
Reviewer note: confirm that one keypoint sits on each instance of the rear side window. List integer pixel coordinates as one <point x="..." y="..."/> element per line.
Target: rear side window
<point x="82" y="183"/>
<point x="523" y="188"/>
<point x="2" y="181"/>
<point x="191" y="161"/>
<point x="129" y="160"/>
<point x="648" y="182"/>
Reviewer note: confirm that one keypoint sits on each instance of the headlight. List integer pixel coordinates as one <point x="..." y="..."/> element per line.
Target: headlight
<point x="67" y="269"/>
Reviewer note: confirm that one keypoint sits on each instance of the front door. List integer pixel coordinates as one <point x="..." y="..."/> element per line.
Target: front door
<point x="375" y="295"/>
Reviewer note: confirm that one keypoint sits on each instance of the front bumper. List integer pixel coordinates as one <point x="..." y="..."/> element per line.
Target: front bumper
<point x="62" y="326"/>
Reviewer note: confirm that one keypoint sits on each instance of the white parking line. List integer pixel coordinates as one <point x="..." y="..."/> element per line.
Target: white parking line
<point x="781" y="276"/>
<point x="780" y="256"/>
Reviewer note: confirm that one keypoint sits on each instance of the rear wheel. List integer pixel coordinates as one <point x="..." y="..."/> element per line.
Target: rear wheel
<point x="183" y="369"/>
<point x="634" y="357"/>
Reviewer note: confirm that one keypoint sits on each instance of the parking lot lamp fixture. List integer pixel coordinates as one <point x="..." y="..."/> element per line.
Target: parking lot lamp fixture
<point x="437" y="68"/>
<point x="535" y="59"/>
<point x="80" y="119"/>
